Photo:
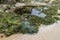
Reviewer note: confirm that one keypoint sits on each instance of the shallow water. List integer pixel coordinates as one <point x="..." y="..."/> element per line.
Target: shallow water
<point x="38" y="13"/>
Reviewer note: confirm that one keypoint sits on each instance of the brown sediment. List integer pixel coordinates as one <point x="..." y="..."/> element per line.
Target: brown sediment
<point x="2" y="36"/>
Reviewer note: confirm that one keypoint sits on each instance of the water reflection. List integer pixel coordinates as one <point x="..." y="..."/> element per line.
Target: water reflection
<point x="31" y="29"/>
<point x="35" y="12"/>
<point x="38" y="13"/>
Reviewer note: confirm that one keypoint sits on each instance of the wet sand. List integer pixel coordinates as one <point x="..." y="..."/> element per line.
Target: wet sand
<point x="51" y="32"/>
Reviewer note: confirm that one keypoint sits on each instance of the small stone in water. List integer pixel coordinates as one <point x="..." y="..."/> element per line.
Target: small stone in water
<point x="45" y="8"/>
<point x="42" y="15"/>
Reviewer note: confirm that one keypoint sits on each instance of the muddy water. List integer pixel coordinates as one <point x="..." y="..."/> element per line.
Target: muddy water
<point x="51" y="32"/>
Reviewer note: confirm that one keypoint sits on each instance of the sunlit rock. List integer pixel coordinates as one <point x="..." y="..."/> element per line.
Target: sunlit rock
<point x="58" y="11"/>
<point x="19" y="4"/>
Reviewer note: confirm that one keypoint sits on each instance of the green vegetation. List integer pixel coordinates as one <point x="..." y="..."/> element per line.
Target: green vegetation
<point x="20" y="20"/>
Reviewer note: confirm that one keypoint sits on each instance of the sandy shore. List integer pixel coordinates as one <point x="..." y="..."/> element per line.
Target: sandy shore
<point x="51" y="32"/>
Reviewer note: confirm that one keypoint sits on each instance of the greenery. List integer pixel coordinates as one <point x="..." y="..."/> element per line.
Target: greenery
<point x="20" y="20"/>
